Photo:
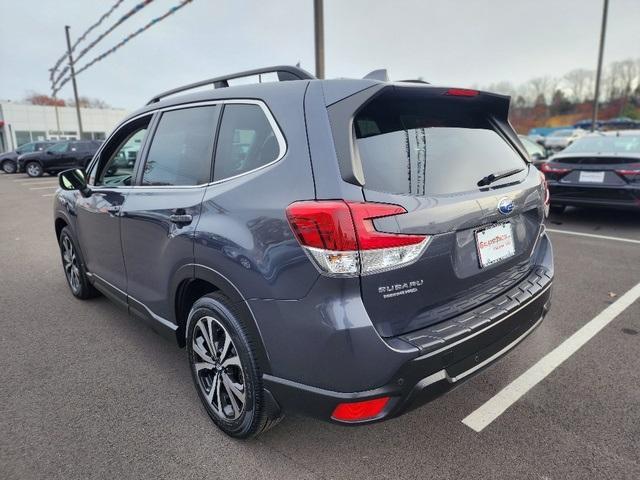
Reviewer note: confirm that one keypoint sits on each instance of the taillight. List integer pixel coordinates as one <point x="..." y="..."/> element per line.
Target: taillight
<point x="342" y="240"/>
<point x="358" y="411"/>
<point x="549" y="168"/>
<point x="630" y="173"/>
<point x="462" y="92"/>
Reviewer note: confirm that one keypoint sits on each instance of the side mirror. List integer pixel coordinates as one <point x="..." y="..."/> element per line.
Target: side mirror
<point x="49" y="152"/>
<point x="74" y="179"/>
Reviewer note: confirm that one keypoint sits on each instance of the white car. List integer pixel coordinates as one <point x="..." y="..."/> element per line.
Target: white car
<point x="561" y="139"/>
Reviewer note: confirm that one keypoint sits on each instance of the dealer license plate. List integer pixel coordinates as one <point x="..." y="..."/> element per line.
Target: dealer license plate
<point x="592" y="177"/>
<point x="495" y="244"/>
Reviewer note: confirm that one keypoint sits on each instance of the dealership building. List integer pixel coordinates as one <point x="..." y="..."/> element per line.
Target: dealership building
<point x="23" y="123"/>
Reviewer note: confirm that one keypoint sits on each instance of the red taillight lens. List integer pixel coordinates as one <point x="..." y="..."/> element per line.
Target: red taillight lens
<point x="368" y="237"/>
<point x="341" y="237"/>
<point x="462" y="92"/>
<point x="358" y="411"/>
<point x="327" y="225"/>
<point x="548" y="168"/>
<point x="632" y="171"/>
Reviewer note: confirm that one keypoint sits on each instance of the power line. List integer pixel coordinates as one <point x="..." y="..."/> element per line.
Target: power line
<point x="119" y="22"/>
<point x="171" y="11"/>
<point x="83" y="36"/>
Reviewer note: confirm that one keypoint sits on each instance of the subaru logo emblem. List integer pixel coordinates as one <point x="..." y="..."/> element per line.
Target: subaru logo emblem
<point x="505" y="206"/>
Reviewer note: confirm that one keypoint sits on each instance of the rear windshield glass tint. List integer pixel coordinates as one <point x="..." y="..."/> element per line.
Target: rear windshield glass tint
<point x="428" y="146"/>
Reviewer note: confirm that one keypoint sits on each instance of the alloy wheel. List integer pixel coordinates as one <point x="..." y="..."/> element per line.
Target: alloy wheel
<point x="33" y="169"/>
<point x="9" y="167"/>
<point x="70" y="262"/>
<point x="218" y="369"/>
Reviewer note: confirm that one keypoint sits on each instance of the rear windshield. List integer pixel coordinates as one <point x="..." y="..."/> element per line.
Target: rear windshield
<point x="605" y="144"/>
<point x="429" y="146"/>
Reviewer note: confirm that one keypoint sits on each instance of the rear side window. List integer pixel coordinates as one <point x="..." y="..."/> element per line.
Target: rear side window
<point x="182" y="148"/>
<point x="428" y="146"/>
<point x="246" y="141"/>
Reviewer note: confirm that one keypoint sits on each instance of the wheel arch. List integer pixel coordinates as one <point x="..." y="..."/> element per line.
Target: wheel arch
<point x="195" y="281"/>
<point x="59" y="224"/>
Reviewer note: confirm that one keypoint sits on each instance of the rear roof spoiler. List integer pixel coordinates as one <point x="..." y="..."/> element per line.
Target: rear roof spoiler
<point x="284" y="72"/>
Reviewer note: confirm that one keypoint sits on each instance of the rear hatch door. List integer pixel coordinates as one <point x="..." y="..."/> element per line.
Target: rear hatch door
<point x="426" y="149"/>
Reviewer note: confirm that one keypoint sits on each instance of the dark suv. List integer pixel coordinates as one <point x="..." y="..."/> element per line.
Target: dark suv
<point x="61" y="156"/>
<point x="9" y="160"/>
<point x="342" y="248"/>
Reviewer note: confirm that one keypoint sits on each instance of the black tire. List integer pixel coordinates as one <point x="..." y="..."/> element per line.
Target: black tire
<point x="557" y="209"/>
<point x="74" y="269"/>
<point x="216" y="312"/>
<point x="9" y="166"/>
<point x="34" y="169"/>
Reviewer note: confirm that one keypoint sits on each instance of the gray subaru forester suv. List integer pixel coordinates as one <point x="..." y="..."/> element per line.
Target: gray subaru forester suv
<point x="347" y="249"/>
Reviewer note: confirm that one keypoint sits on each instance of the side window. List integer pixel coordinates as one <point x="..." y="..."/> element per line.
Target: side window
<point x="86" y="147"/>
<point x="182" y="147"/>
<point x="26" y="148"/>
<point x="59" y="147"/>
<point x="118" y="158"/>
<point x="246" y="141"/>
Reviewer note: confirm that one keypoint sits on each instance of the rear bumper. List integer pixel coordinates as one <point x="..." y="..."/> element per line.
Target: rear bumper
<point x="464" y="346"/>
<point x="627" y="196"/>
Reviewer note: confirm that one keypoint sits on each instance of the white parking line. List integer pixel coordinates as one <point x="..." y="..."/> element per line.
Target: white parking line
<point x="498" y="404"/>
<point x="35" y="184"/>
<point x="592" y="235"/>
<point x="49" y="195"/>
<point x="32" y="179"/>
<point x="43" y="188"/>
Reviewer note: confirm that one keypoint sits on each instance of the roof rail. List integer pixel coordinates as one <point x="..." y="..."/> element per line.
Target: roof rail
<point x="284" y="72"/>
<point x="417" y="80"/>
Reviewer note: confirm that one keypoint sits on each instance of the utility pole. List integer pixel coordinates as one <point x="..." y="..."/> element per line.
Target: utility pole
<point x="599" y="70"/>
<point x="73" y="80"/>
<point x="318" y="21"/>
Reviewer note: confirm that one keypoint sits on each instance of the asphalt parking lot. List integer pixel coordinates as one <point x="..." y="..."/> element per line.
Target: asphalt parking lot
<point x="88" y="392"/>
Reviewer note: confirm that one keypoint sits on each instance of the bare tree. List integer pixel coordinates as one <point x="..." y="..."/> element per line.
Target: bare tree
<point x="35" y="98"/>
<point x="579" y="81"/>
<point x="538" y="87"/>
<point x="628" y="71"/>
<point x="86" y="102"/>
<point x="611" y="81"/>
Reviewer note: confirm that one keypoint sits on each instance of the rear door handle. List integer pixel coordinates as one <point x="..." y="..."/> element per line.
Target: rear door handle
<point x="181" y="219"/>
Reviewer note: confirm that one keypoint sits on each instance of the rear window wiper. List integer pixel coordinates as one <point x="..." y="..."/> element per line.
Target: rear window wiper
<point x="489" y="179"/>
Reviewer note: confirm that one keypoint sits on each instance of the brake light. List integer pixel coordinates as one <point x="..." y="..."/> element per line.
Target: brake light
<point x="629" y="172"/>
<point x="548" y="168"/>
<point x="462" y="92"/>
<point x="342" y="240"/>
<point x="358" y="411"/>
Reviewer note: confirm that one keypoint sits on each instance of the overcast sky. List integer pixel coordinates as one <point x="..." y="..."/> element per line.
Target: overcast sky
<point x="455" y="42"/>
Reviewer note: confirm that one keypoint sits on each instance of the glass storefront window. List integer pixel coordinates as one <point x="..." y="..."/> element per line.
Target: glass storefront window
<point x="22" y="137"/>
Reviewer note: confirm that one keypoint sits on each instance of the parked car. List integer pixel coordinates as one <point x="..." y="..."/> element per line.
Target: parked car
<point x="537" y="153"/>
<point x="331" y="247"/>
<point x="601" y="169"/>
<point x="9" y="160"/>
<point x="560" y="139"/>
<point x="61" y="156"/>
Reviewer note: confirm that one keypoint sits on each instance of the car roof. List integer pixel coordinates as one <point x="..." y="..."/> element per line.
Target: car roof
<point x="334" y="89"/>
